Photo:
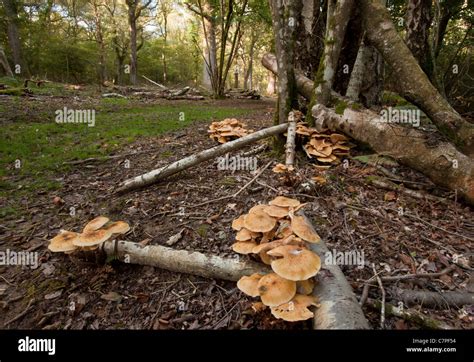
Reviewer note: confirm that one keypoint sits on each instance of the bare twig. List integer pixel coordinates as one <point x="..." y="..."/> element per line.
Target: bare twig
<point x="418" y="275"/>
<point x="382" y="290"/>
<point x="21" y="315"/>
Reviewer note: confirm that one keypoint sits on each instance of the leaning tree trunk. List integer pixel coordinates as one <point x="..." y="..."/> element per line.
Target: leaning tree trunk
<point x="366" y="82"/>
<point x="414" y="84"/>
<point x="309" y="44"/>
<point x="4" y="63"/>
<point x="338" y="15"/>
<point x="13" y="33"/>
<point x="284" y="27"/>
<point x="349" y="50"/>
<point x="304" y="85"/>
<point x="440" y="161"/>
<point x="418" y="25"/>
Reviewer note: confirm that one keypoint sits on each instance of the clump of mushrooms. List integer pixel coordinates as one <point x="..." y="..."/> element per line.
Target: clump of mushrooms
<point x="94" y="234"/>
<point x="228" y="130"/>
<point x="278" y="235"/>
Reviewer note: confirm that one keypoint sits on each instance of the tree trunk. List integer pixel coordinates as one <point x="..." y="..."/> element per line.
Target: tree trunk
<point x="4" y="63"/>
<point x="304" y="85"/>
<point x="165" y="47"/>
<point x="366" y="82"/>
<point x="13" y="34"/>
<point x="440" y="161"/>
<point x="310" y="35"/>
<point x="132" y="22"/>
<point x="414" y="84"/>
<point x="418" y="25"/>
<point x="284" y="27"/>
<point x="272" y="83"/>
<point x="100" y="41"/>
<point x="210" y="48"/>
<point x="349" y="50"/>
<point x="338" y="15"/>
<point x="447" y="9"/>
<point x="248" y="81"/>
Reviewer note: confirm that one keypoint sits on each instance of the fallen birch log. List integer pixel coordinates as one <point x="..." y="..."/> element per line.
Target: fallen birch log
<point x="340" y="313"/>
<point x="186" y="97"/>
<point x="155" y="83"/>
<point x="182" y="261"/>
<point x="440" y="161"/>
<point x="339" y="308"/>
<point x="193" y="160"/>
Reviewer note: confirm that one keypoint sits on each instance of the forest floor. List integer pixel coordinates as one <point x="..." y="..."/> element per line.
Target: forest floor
<point x="66" y="293"/>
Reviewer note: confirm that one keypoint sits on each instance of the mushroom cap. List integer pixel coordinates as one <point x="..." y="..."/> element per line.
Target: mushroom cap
<point x="249" y="284"/>
<point x="276" y="211"/>
<point x="319" y="143"/>
<point x="321" y="167"/>
<point x="275" y="290"/>
<point x="238" y="223"/>
<point x="303" y="228"/>
<point x="296" y="262"/>
<point x="279" y="168"/>
<point x="290" y="240"/>
<point x="337" y="137"/>
<point x="259" y="222"/>
<point x="328" y="159"/>
<point x="243" y="235"/>
<point x="257" y="208"/>
<point x="341" y="147"/>
<point x="296" y="309"/>
<point x="283" y="201"/>
<point x="93" y="238"/>
<point x="118" y="227"/>
<point x="63" y="242"/>
<point x="95" y="224"/>
<point x="244" y="247"/>
<point x="311" y="151"/>
<point x="267" y="246"/>
<point x="305" y="287"/>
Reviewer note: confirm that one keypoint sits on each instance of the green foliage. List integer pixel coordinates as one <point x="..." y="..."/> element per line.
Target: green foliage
<point x="340" y="107"/>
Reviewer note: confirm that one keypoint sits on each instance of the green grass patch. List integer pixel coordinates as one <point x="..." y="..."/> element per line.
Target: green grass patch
<point x="42" y="147"/>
